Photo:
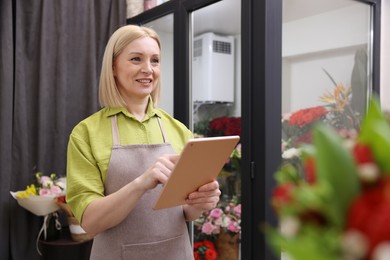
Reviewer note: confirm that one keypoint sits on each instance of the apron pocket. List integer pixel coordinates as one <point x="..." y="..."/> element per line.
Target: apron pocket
<point x="173" y="248"/>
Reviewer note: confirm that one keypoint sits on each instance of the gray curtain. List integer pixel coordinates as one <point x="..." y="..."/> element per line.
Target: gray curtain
<point x="51" y="54"/>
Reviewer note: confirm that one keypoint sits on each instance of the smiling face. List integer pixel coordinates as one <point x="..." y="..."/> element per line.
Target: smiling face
<point x="137" y="69"/>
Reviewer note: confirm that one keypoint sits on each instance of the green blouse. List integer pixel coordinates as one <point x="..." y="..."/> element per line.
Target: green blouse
<point x="90" y="144"/>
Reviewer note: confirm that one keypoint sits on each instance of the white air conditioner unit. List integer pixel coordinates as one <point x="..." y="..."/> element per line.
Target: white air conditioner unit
<point x="213" y="68"/>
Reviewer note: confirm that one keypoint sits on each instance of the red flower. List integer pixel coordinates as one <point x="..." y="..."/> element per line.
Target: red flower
<point x="211" y="254"/>
<point x="197" y="245"/>
<point x="306" y="116"/>
<point x="305" y="138"/>
<point x="209" y="244"/>
<point x="370" y="214"/>
<point x="282" y="195"/>
<point x="197" y="256"/>
<point x="363" y="153"/>
<point x="205" y="250"/>
<point x="61" y="199"/>
<point x="226" y="126"/>
<point x="310" y="170"/>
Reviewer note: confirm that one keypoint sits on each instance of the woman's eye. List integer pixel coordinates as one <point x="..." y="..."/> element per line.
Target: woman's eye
<point x="135" y="59"/>
<point x="155" y="61"/>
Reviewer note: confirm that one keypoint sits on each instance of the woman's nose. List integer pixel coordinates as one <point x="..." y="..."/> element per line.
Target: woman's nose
<point x="147" y="68"/>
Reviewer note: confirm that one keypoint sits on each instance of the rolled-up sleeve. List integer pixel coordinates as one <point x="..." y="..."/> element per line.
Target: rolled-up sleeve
<point x="84" y="179"/>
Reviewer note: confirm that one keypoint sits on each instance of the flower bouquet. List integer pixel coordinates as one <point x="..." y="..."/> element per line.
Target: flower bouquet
<point x="39" y="197"/>
<point x="337" y="112"/>
<point x="336" y="204"/>
<point x="222" y="225"/>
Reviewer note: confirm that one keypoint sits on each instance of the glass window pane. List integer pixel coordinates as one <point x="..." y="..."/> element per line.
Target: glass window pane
<point x="216" y="111"/>
<point x="326" y="67"/>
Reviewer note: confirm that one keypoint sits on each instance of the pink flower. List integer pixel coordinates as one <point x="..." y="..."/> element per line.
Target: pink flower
<point x="218" y="222"/>
<point x="233" y="227"/>
<point x="286" y="117"/>
<point x="237" y="210"/>
<point x="208" y="228"/>
<point x="55" y="190"/>
<point x="216" y="213"/>
<point x="46" y="181"/>
<point x="224" y="217"/>
<point x="44" y="192"/>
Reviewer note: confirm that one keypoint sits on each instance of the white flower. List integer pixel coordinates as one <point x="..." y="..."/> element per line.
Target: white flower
<point x="349" y="144"/>
<point x="61" y="183"/>
<point x="382" y="251"/>
<point x="289" y="226"/>
<point x="291" y="153"/>
<point x="286" y="116"/>
<point x="368" y="172"/>
<point x="354" y="244"/>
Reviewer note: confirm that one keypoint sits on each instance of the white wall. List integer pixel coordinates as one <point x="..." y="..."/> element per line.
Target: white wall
<point x="325" y="31"/>
<point x="385" y="55"/>
<point x="320" y="42"/>
<point x="166" y="101"/>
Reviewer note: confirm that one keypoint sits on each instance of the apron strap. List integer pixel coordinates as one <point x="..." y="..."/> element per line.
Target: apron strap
<point x="115" y="131"/>
<point x="162" y="130"/>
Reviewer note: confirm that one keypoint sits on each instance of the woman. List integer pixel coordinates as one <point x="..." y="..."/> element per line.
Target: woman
<point x="119" y="158"/>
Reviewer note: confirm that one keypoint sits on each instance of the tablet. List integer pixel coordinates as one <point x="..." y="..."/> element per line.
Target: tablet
<point x="199" y="163"/>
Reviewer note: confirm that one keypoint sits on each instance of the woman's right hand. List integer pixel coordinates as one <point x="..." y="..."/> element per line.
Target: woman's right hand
<point x="159" y="172"/>
<point x="104" y="213"/>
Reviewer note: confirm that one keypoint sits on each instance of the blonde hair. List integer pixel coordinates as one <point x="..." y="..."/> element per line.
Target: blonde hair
<point x="109" y="95"/>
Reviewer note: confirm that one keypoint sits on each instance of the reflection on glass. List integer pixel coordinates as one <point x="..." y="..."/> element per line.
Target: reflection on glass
<point x="326" y="67"/>
<point x="164" y="27"/>
<point x="215" y="91"/>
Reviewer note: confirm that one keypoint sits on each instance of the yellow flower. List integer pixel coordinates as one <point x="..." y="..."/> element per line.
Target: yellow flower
<point x="30" y="190"/>
<point x="339" y="98"/>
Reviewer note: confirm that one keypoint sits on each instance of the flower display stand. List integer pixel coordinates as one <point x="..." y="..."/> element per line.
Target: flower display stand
<point x="227" y="246"/>
<point x="65" y="248"/>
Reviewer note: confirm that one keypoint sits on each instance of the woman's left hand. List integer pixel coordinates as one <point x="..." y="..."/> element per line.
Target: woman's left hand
<point x="206" y="197"/>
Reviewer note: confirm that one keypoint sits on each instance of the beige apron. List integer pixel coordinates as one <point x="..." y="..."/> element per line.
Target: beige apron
<point x="145" y="233"/>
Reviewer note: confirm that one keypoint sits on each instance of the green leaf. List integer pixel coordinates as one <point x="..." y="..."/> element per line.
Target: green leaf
<point x="375" y="132"/>
<point x="374" y="113"/>
<point x="335" y="165"/>
<point x="287" y="173"/>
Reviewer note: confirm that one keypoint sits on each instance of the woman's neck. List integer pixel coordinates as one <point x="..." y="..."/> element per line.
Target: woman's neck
<point x="138" y="107"/>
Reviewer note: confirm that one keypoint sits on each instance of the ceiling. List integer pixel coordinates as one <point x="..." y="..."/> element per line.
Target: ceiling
<point x="298" y="9"/>
<point x="224" y="17"/>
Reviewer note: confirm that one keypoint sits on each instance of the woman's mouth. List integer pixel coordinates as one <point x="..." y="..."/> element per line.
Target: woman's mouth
<point x="144" y="81"/>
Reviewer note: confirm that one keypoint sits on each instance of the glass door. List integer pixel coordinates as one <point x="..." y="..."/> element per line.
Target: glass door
<point x="216" y="111"/>
<point x="326" y="67"/>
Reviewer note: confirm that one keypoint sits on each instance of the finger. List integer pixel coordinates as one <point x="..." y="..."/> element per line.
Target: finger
<point x="209" y="186"/>
<point x="173" y="158"/>
<point x="205" y="194"/>
<point x="210" y="201"/>
<point x="167" y="161"/>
